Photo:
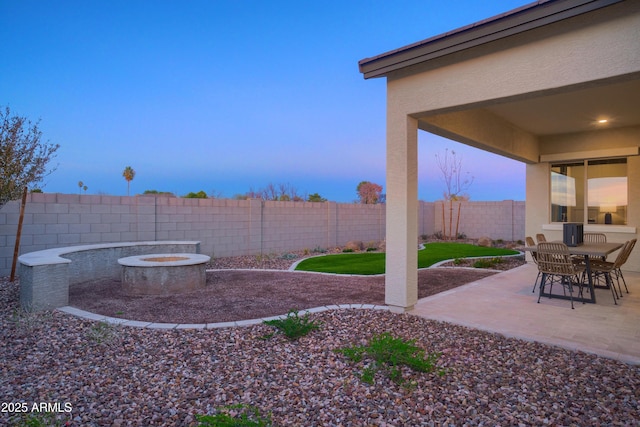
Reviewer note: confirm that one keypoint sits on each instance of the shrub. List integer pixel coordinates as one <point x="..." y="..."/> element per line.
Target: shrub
<point x="235" y="415"/>
<point x="294" y="326"/>
<point x="488" y="263"/>
<point x="103" y="332"/>
<point x="389" y="354"/>
<point x="38" y="419"/>
<point x="27" y="321"/>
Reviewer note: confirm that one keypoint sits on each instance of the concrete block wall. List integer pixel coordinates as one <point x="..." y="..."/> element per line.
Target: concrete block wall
<point x="497" y="220"/>
<point x="225" y="227"/>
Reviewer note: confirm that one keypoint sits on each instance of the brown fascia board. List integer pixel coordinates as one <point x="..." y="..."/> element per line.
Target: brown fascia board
<point x="525" y="18"/>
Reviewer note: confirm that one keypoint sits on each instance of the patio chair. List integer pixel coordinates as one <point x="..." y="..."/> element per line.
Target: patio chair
<point x="534" y="255"/>
<point x="556" y="266"/>
<point x="591" y="238"/>
<point x="540" y="238"/>
<point x="594" y="237"/>
<point x="614" y="269"/>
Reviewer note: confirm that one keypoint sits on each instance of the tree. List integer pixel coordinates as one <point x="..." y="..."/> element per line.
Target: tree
<point x="128" y="174"/>
<point x="280" y="192"/>
<point x="199" y="195"/>
<point x="80" y="184"/>
<point x="455" y="187"/>
<point x="158" y="193"/>
<point x="23" y="156"/>
<point x="315" y="197"/>
<point x="369" y="193"/>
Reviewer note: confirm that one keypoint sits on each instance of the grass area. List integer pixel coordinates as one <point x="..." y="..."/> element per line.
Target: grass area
<point x="373" y="263"/>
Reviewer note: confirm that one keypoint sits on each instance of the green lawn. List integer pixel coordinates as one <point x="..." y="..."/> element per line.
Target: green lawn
<point x="373" y="263"/>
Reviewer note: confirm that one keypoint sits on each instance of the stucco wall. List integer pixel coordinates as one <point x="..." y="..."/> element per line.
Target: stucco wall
<point x="225" y="227"/>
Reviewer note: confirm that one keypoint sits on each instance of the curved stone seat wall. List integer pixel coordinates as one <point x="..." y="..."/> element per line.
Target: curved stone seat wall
<point x="45" y="275"/>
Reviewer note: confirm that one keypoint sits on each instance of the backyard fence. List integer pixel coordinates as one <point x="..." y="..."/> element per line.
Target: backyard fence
<point x="227" y="227"/>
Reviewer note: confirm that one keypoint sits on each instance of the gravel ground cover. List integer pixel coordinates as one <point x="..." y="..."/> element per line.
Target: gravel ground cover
<point x="116" y="376"/>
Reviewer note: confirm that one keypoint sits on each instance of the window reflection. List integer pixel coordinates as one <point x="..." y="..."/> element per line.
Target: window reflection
<point x="567" y="195"/>
<point x="607" y="191"/>
<point x="603" y="181"/>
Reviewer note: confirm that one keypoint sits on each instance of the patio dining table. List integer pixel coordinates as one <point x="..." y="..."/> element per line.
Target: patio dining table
<point x="588" y="250"/>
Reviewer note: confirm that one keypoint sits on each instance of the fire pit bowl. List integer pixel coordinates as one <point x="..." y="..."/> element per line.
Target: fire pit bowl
<point x="163" y="274"/>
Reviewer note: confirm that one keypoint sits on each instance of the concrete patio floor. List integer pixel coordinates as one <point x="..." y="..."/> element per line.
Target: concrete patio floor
<point x="503" y="303"/>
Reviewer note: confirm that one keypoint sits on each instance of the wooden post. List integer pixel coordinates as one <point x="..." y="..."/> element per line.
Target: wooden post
<point x="16" y="248"/>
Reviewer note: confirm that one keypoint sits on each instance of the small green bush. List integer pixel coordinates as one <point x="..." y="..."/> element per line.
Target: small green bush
<point x="482" y="263"/>
<point x="488" y="263"/>
<point x="37" y="419"/>
<point x="389" y="354"/>
<point x="347" y="250"/>
<point x="294" y="326"/>
<point x="103" y="332"/>
<point x="235" y="416"/>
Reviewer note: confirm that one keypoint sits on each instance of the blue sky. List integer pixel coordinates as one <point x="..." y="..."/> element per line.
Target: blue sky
<point x="226" y="96"/>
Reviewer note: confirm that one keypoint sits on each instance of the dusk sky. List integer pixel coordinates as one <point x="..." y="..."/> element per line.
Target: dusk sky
<point x="226" y="96"/>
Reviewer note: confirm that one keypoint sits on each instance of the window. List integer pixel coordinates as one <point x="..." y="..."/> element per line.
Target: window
<point x="592" y="191"/>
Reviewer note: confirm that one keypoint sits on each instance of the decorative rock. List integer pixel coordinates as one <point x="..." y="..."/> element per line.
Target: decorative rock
<point x="354" y="245"/>
<point x="485" y="241"/>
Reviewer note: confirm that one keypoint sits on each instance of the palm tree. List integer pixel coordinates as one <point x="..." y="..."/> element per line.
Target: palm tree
<point x="128" y="174"/>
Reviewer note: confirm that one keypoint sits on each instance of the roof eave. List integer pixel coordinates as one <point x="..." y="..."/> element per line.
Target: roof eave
<point x="525" y="18"/>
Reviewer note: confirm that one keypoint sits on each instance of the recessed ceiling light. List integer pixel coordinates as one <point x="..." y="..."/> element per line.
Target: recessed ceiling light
<point x="603" y="121"/>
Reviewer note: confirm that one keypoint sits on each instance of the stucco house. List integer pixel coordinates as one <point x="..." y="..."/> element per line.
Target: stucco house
<point x="554" y="84"/>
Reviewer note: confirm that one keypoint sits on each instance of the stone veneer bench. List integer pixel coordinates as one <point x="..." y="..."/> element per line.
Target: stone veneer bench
<point x="45" y="275"/>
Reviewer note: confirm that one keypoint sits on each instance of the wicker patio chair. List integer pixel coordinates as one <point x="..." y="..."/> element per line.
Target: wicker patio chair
<point x="556" y="266"/>
<point x="594" y="237"/>
<point x="614" y="269"/>
<point x="534" y="255"/>
<point x="591" y="238"/>
<point x="540" y="238"/>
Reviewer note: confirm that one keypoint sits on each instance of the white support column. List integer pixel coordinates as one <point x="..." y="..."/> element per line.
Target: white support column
<point x="401" y="282"/>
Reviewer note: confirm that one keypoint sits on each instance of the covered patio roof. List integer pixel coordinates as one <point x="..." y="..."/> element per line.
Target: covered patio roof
<point x="557" y="109"/>
<point x="554" y="80"/>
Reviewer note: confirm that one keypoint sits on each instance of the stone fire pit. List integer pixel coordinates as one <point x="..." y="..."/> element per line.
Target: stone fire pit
<point x="163" y="274"/>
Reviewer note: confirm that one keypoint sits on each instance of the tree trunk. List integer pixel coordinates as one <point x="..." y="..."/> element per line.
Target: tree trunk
<point x="458" y="220"/>
<point x="16" y="249"/>
<point x="450" y="219"/>
<point x="444" y="224"/>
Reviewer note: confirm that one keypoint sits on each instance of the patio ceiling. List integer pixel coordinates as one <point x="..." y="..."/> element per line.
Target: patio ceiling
<point x="575" y="111"/>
